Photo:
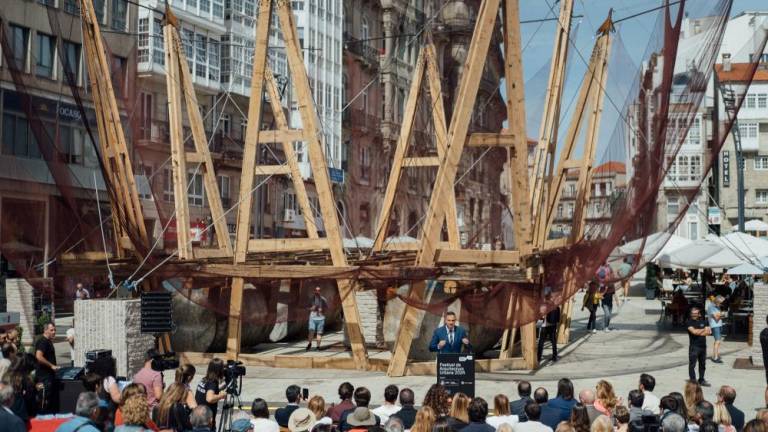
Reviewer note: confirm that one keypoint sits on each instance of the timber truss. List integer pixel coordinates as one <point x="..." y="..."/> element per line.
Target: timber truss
<point x="532" y="198"/>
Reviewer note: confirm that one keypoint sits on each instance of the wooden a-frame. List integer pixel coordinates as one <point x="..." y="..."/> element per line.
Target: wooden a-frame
<point x="179" y="85"/>
<point x="116" y="161"/>
<point x="310" y="133"/>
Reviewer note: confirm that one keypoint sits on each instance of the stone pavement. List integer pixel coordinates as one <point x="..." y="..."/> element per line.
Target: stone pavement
<point x="638" y="344"/>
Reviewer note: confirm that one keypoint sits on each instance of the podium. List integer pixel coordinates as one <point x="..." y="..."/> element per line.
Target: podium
<point x="456" y="372"/>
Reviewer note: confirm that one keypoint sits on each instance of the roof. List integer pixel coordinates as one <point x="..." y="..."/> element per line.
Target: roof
<point x="740" y="72"/>
<point x="611" y="167"/>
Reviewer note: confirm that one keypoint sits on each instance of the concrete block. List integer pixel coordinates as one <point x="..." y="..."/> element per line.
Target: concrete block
<point x="760" y="308"/>
<point x="114" y="325"/>
<point x="20" y="298"/>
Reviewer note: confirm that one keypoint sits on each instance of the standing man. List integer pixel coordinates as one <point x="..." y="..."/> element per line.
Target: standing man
<point x="549" y="328"/>
<point x="317" y="309"/>
<point x="698" y="330"/>
<point x="449" y="338"/>
<point x="81" y="293"/>
<point x="45" y="371"/>
<point x="607" y="289"/>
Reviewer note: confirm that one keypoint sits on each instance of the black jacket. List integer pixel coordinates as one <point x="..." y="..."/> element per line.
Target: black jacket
<point x="737" y="416"/>
<point x="518" y="408"/>
<point x="283" y="414"/>
<point x="407" y="415"/>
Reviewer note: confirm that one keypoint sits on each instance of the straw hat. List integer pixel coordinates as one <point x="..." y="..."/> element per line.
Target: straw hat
<point x="301" y="420"/>
<point x="361" y="416"/>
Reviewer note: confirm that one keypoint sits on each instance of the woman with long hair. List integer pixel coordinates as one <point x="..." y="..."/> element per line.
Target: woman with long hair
<point x="425" y="419"/>
<point x="681" y="409"/>
<point x="458" y="417"/>
<point x="693" y="395"/>
<point x="503" y="415"/>
<point x="606" y="399"/>
<point x="602" y="424"/>
<point x="437" y="398"/>
<point x="171" y="413"/>
<point x="723" y="417"/>
<point x="132" y="391"/>
<point x="184" y="375"/>
<point x="580" y="418"/>
<point x="24" y="390"/>
<point x="317" y="406"/>
<point x="209" y="392"/>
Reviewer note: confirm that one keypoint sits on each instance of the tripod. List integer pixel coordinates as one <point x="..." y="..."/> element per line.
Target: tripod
<point x="233" y="398"/>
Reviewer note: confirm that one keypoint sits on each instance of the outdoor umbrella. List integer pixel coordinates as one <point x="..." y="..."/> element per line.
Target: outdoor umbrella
<point x="702" y="253"/>
<point x="655" y="245"/>
<point x="746" y="269"/>
<point x="745" y="244"/>
<point x="756" y="225"/>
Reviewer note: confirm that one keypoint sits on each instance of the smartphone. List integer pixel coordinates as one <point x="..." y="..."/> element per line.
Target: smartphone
<point x="305" y="393"/>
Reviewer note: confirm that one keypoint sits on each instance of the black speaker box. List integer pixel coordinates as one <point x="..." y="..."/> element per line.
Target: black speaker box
<point x="68" y="391"/>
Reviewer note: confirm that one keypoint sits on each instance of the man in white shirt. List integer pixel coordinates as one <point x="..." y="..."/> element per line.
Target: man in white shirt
<point x="650" y="401"/>
<point x="389" y="407"/>
<point x="533" y="412"/>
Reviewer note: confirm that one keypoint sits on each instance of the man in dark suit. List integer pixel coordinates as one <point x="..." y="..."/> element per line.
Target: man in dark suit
<point x="293" y="394"/>
<point x="727" y="395"/>
<point x="478" y="412"/>
<point x="11" y="422"/>
<point x="449" y="338"/>
<point x="518" y="407"/>
<point x="549" y="327"/>
<point x="407" y="414"/>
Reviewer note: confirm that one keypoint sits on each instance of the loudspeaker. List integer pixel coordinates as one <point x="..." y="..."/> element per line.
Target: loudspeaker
<point x="156" y="316"/>
<point x="97" y="354"/>
<point x="69" y="373"/>
<point x="68" y="392"/>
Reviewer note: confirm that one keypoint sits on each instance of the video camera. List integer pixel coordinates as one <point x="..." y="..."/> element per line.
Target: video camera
<point x="164" y="362"/>
<point x="232" y="372"/>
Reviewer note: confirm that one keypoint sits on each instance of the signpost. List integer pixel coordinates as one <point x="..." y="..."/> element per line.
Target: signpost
<point x="456" y="372"/>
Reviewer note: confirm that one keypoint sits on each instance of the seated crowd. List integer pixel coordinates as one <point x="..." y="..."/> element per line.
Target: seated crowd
<point x="147" y="405"/>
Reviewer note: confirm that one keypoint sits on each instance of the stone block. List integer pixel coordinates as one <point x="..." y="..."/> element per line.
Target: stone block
<point x="20" y="298"/>
<point x="114" y="325"/>
<point x="760" y="307"/>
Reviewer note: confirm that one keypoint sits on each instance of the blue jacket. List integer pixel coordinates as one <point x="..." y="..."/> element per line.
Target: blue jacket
<point x="478" y="427"/>
<point x="556" y="410"/>
<point x="441" y="333"/>
<point x="75" y="423"/>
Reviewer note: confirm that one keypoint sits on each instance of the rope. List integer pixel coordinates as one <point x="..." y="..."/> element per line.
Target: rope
<point x="103" y="238"/>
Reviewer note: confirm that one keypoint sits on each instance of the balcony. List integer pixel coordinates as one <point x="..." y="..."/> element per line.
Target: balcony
<point x="361" y="121"/>
<point x="365" y="52"/>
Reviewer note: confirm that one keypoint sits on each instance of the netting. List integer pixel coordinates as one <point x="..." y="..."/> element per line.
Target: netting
<point x="656" y="102"/>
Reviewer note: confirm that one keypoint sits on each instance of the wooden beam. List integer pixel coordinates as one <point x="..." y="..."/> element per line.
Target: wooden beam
<point x="446" y="174"/>
<point x="410" y="246"/>
<point x="193" y="157"/>
<point x="483" y="139"/>
<point x="287" y="244"/>
<point x="316" y="154"/>
<point x="211" y="253"/>
<point x="478" y="257"/>
<point x="281" y="135"/>
<point x="267" y="170"/>
<point x="403" y="142"/>
<point x="423" y="161"/>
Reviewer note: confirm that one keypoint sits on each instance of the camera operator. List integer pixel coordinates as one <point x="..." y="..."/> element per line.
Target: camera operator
<point x="209" y="391"/>
<point x="151" y="379"/>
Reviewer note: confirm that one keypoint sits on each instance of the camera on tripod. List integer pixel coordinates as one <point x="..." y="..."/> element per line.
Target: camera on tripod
<point x="234" y="370"/>
<point x="165" y="361"/>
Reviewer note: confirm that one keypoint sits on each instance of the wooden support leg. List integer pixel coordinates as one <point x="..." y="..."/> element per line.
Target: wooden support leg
<point x="528" y="343"/>
<point x="408" y="325"/>
<point x="564" y="327"/>
<point x="234" y="327"/>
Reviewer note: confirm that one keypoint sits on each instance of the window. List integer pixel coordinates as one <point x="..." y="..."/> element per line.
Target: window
<point x="99" y="9"/>
<point x="748" y="130"/>
<point x="223" y="182"/>
<point x="570" y="210"/>
<point x="673" y="206"/>
<point x="693" y="230"/>
<point x="761" y="163"/>
<point x="365" y="32"/>
<point x="143" y="174"/>
<point x="195" y="189"/>
<point x="761" y="196"/>
<point x="119" y="14"/>
<point x="45" y="53"/>
<point x="168" y="194"/>
<point x="559" y="211"/>
<point x="751" y="100"/>
<point x="72" y="60"/>
<point x="694" y="132"/>
<point x="71" y="149"/>
<point x="762" y="100"/>
<point x="17" y="137"/>
<point x="695" y="167"/>
<point x="200" y="55"/>
<point x="119" y="70"/>
<point x="51" y="3"/>
<point x="365" y="163"/>
<point x="72" y="6"/>
<point x="143" y="46"/>
<point x="226" y="124"/>
<point x="205" y="7"/>
<point x="19" y="46"/>
<point x="213" y="59"/>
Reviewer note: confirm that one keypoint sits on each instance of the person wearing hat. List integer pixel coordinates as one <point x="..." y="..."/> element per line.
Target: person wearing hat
<point x="361" y="412"/>
<point x="301" y="420"/>
<point x="361" y="417"/>
<point x="241" y="422"/>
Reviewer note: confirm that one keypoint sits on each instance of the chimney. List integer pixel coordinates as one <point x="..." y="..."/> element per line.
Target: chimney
<point x="726" y="62"/>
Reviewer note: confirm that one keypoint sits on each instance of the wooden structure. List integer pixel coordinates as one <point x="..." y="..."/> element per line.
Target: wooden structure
<point x="531" y="199"/>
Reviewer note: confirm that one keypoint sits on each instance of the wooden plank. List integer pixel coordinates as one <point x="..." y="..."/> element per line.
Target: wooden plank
<point x="193" y="157"/>
<point x="245" y="196"/>
<point x="403" y="142"/>
<point x="490" y="139"/>
<point x="267" y="170"/>
<point x="478" y="257"/>
<point x="211" y="253"/>
<point x="287" y="244"/>
<point x="482" y="274"/>
<point x="409" y="246"/>
<point x="282" y="134"/>
<point x="446" y="174"/>
<point x="571" y="164"/>
<point x="528" y="344"/>
<point x="316" y="154"/>
<point x="423" y="161"/>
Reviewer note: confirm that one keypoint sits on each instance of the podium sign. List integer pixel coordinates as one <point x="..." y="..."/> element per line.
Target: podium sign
<point x="456" y="372"/>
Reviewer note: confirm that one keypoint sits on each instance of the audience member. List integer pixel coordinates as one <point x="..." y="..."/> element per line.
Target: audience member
<point x="559" y="409"/>
<point x="389" y="406"/>
<point x="10" y="421"/>
<point x="24" y="391"/>
<point x="606" y="399"/>
<point x="727" y="395"/>
<point x="240" y="422"/>
<point x="184" y="375"/>
<point x="755" y="426"/>
<point x="709" y="426"/>
<point x="209" y="392"/>
<point x="151" y="379"/>
<point x="316" y="404"/>
<point x="501" y="407"/>
<point x="636" y="411"/>
<point x="293" y="396"/>
<point x="621" y="417"/>
<point x="565" y="426"/>
<point x="425" y="420"/>
<point x="478" y="414"/>
<point x="135" y="415"/>
<point x="703" y="411"/>
<point x="407" y="413"/>
<point x="763" y="416"/>
<point x="45" y="369"/>
<point x="201" y="419"/>
<point x="437" y="398"/>
<point x="682" y="409"/>
<point x="723" y="418"/>
<point x="580" y="418"/>
<point x="517" y="407"/>
<point x="587" y="398"/>
<point x="650" y="400"/>
<point x="301" y="420"/>
<point x="362" y="414"/>
<point x="130" y="391"/>
<point x="541" y="396"/>
<point x="693" y="395"/>
<point x="345" y="394"/>
<point x="394" y="424"/>
<point x="673" y="422"/>
<point x="533" y="412"/>
<point x="261" y="421"/>
<point x="458" y="417"/>
<point x="87" y="414"/>
<point x="171" y="411"/>
<point x="602" y="424"/>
